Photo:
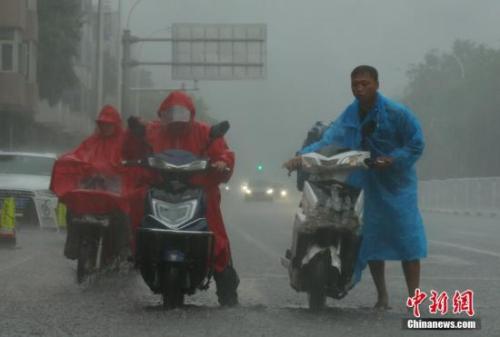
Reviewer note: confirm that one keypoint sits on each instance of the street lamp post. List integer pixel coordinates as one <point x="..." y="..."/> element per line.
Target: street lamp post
<point x="131" y="11"/>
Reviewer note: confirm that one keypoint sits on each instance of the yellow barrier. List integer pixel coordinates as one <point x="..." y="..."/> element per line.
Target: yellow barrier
<point x="8" y="220"/>
<point x="61" y="215"/>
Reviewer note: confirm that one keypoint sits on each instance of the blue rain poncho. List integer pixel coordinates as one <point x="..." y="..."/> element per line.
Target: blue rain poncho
<point x="392" y="224"/>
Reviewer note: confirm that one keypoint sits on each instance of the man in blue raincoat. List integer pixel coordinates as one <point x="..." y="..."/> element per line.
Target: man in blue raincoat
<point x="392" y="228"/>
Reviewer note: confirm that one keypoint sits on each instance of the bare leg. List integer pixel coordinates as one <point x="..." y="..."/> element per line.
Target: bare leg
<point x="411" y="269"/>
<point x="377" y="269"/>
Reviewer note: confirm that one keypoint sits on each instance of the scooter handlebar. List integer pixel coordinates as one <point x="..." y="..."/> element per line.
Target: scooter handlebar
<point x="225" y="170"/>
<point x="130" y="163"/>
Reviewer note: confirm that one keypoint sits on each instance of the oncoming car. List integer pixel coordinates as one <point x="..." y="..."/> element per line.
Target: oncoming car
<point x="263" y="190"/>
<point x="26" y="178"/>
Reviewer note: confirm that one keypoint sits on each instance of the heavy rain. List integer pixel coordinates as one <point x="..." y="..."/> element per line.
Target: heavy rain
<point x="249" y="168"/>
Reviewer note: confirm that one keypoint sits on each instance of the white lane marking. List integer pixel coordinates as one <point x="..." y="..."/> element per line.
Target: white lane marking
<point x="16" y="263"/>
<point x="446" y="260"/>
<point x="451" y="278"/>
<point x="477" y="234"/>
<point x="466" y="248"/>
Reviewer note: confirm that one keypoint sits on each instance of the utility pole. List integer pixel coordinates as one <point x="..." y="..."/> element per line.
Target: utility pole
<point x="126" y="42"/>
<point x="120" y="59"/>
<point x="99" y="58"/>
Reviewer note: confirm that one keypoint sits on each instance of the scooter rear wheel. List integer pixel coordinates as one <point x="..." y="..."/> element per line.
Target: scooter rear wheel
<point x="318" y="277"/>
<point x="86" y="259"/>
<point x="173" y="297"/>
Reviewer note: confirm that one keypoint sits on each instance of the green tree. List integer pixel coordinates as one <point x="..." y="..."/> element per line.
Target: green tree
<point x="59" y="37"/>
<point x="455" y="95"/>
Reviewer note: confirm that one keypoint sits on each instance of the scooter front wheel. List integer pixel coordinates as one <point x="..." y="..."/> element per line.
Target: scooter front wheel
<point x="173" y="297"/>
<point x="318" y="277"/>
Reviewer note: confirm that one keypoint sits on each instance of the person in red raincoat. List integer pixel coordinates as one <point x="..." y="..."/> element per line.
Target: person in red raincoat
<point x="99" y="154"/>
<point x="177" y="128"/>
<point x="103" y="148"/>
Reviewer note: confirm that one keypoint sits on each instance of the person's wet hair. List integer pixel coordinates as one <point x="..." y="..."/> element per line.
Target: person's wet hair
<point x="365" y="69"/>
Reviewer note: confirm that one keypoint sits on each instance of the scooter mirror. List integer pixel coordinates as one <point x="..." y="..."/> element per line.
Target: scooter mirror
<point x="219" y="130"/>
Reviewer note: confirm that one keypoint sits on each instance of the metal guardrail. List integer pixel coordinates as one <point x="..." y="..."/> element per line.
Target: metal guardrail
<point x="471" y="196"/>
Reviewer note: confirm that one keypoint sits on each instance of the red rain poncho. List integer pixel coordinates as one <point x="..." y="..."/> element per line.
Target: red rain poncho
<point x="194" y="139"/>
<point x="96" y="155"/>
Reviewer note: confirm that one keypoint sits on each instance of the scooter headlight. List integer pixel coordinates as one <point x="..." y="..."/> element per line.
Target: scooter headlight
<point x="175" y="214"/>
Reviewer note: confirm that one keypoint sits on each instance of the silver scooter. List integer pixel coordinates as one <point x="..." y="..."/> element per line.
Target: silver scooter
<point x="326" y="229"/>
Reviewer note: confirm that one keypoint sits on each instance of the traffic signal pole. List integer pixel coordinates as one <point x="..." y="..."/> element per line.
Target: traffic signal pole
<point x="128" y="63"/>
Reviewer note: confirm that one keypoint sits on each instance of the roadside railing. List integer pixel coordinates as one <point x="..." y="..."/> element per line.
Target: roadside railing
<point x="471" y="196"/>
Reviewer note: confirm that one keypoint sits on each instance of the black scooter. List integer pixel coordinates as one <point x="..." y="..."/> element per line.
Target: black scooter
<point x="175" y="248"/>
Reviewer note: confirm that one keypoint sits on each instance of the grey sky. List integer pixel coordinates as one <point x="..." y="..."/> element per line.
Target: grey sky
<point x="312" y="47"/>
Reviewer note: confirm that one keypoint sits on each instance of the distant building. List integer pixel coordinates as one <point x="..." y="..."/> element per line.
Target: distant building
<point x="74" y="113"/>
<point x="26" y="122"/>
<point x="18" y="85"/>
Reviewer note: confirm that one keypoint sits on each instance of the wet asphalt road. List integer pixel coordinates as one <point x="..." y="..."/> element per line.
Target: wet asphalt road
<point x="39" y="296"/>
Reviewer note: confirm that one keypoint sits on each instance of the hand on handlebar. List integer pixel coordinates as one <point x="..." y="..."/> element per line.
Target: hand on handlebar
<point x="221" y="166"/>
<point x="132" y="163"/>
<point x="293" y="164"/>
<point x="382" y="162"/>
<point x="136" y="126"/>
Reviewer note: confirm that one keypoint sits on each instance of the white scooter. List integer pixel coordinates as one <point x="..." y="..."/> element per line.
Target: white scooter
<point x="326" y="229"/>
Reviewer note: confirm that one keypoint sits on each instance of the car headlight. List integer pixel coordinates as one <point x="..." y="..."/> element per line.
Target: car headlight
<point x="248" y="191"/>
<point x="269" y="191"/>
<point x="175" y="214"/>
<point x="283" y="193"/>
<point x="226" y="188"/>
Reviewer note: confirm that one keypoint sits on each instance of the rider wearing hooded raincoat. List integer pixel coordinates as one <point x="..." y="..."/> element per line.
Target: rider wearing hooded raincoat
<point x="392" y="224"/>
<point x="99" y="154"/>
<point x="177" y="129"/>
<point x="103" y="148"/>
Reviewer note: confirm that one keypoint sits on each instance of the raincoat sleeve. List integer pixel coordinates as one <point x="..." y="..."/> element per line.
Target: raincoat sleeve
<point x="334" y="134"/>
<point x="412" y="139"/>
<point x="219" y="151"/>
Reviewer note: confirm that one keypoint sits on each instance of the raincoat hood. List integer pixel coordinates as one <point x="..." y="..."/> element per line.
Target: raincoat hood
<point x="178" y="98"/>
<point x="109" y="114"/>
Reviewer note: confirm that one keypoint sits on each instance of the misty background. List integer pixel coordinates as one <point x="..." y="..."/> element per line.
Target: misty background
<point x="441" y="58"/>
<point x="311" y="49"/>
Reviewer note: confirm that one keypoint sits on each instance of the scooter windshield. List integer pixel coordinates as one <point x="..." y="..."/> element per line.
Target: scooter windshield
<point x="177" y="160"/>
<point x="316" y="163"/>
